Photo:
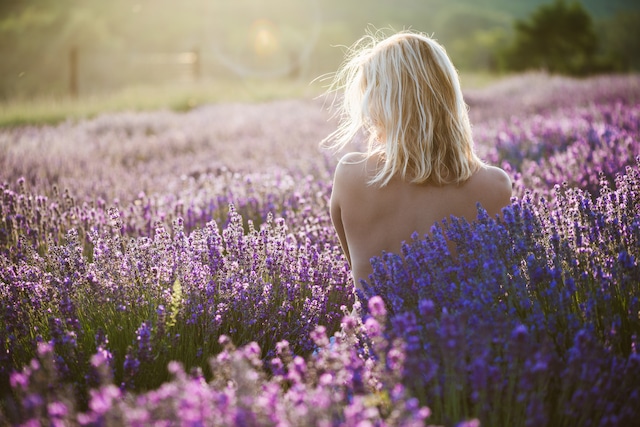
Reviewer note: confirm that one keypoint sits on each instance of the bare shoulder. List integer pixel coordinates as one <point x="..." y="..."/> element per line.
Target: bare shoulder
<point x="352" y="167"/>
<point x="352" y="159"/>
<point x="495" y="186"/>
<point x="498" y="179"/>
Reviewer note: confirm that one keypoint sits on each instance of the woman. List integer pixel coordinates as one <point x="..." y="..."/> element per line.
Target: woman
<point x="419" y="167"/>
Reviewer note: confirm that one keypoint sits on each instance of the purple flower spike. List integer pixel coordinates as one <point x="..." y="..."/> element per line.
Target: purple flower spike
<point x="469" y="423"/>
<point x="19" y="379"/>
<point x="373" y="328"/>
<point x="349" y="323"/>
<point x="103" y="399"/>
<point x="319" y="336"/>
<point x="519" y="334"/>
<point x="57" y="409"/>
<point x="377" y="307"/>
<point x="282" y="347"/>
<point x="426" y="308"/>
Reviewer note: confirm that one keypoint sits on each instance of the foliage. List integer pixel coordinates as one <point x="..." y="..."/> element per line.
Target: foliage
<point x="621" y="39"/>
<point x="557" y="37"/>
<point x="176" y="96"/>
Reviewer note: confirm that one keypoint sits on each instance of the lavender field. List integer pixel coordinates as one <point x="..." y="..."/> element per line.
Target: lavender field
<point x="168" y="268"/>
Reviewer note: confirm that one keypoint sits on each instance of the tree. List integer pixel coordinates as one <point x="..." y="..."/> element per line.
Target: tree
<point x="557" y="37"/>
<point x="621" y="39"/>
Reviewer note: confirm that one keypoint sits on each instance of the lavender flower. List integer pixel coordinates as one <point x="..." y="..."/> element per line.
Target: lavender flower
<point x="183" y="249"/>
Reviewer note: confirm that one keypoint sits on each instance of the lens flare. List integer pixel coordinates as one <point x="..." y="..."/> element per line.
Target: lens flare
<point x="264" y="38"/>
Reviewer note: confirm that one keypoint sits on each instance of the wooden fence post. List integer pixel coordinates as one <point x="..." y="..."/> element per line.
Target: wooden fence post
<point x="73" y="71"/>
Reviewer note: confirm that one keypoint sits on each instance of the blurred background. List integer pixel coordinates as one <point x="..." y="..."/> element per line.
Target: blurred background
<point x="59" y="49"/>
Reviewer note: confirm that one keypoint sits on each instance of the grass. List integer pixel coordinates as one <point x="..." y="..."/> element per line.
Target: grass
<point x="174" y="96"/>
<point x="479" y="79"/>
<point x="49" y="110"/>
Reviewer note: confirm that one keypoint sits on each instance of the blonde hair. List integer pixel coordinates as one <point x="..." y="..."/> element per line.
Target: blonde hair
<point x="404" y="92"/>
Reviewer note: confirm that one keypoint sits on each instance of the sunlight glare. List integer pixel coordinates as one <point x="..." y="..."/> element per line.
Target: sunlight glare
<point x="264" y="38"/>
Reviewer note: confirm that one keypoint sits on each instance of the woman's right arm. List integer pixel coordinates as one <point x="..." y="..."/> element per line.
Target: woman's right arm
<point x="336" y="211"/>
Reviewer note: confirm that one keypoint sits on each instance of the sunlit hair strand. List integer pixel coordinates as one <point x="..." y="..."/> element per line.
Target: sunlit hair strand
<point x="404" y="93"/>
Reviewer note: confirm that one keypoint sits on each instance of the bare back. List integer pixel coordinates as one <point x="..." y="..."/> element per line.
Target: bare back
<point x="370" y="219"/>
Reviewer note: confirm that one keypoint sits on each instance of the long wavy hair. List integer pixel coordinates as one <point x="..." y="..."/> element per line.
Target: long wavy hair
<point x="404" y="93"/>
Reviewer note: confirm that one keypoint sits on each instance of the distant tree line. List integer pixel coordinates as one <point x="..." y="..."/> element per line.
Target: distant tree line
<point x="561" y="37"/>
<point x="112" y="39"/>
